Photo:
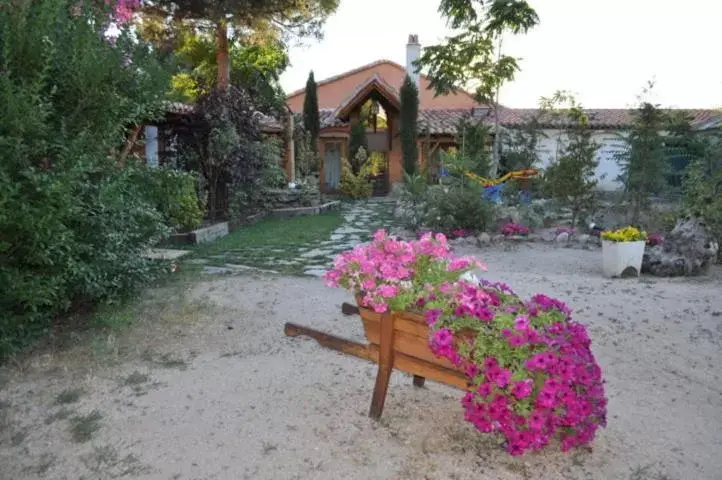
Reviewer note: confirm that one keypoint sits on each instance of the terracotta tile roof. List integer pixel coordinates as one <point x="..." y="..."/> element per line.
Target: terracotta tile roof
<point x="441" y="121"/>
<point x="178" y="108"/>
<point x="268" y="123"/>
<point x="711" y="122"/>
<point x="327" y="117"/>
<point x="598" y="117"/>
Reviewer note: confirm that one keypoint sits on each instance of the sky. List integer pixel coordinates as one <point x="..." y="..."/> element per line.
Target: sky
<point x="604" y="51"/>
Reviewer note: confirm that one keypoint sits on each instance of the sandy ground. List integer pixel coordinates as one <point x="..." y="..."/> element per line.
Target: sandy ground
<point x="212" y="389"/>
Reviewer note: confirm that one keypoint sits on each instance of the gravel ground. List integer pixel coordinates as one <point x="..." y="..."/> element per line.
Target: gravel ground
<point x="210" y="388"/>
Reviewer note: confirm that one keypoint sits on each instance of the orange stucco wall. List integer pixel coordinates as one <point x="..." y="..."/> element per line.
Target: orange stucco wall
<point x="331" y="94"/>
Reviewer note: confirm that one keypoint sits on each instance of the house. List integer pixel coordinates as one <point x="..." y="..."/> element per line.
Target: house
<point x="342" y="98"/>
<point x="375" y="88"/>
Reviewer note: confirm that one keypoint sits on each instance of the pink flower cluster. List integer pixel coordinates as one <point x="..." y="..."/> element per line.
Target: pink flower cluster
<point x="655" y="239"/>
<point x="461" y="233"/>
<point x="568" y="230"/>
<point x="387" y="268"/>
<point x="123" y="9"/>
<point x="512" y="228"/>
<point x="538" y="379"/>
<point x="533" y="373"/>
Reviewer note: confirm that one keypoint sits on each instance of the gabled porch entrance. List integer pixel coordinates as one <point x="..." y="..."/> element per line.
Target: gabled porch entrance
<point x="374" y="105"/>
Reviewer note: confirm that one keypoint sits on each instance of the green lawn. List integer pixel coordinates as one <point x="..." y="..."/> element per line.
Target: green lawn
<point x="272" y="244"/>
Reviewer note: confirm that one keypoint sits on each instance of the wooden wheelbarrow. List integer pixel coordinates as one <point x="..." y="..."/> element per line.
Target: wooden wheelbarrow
<point x="395" y="340"/>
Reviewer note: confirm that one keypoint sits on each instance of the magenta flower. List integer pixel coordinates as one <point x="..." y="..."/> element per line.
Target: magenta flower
<point x="522" y="389"/>
<point x="502" y="378"/>
<point x="432" y="315"/>
<point x="521" y="322"/>
<point x="443" y="337"/>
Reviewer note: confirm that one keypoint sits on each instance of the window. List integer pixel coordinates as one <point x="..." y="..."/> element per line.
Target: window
<point x="151" y="145"/>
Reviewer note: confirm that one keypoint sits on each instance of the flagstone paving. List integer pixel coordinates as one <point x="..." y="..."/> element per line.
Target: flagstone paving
<point x="359" y="221"/>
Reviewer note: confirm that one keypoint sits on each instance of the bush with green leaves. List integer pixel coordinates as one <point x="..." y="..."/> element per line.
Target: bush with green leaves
<point x="703" y="183"/>
<point x="457" y="207"/>
<point x="570" y="179"/>
<point x="173" y="193"/>
<point x="410" y="197"/>
<point x="261" y="192"/>
<point x="74" y="224"/>
<point x="356" y="184"/>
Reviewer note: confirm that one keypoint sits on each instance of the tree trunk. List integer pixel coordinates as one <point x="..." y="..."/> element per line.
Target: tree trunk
<point x="212" y="196"/>
<point x="222" y="56"/>
<point x="495" y="153"/>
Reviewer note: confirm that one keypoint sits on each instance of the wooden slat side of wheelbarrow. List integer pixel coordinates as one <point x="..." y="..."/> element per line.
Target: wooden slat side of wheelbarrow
<point x="394" y="344"/>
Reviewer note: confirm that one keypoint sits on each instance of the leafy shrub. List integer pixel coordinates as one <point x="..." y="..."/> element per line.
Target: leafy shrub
<point x="357" y="185"/>
<point x="173" y="194"/>
<point x="260" y="192"/>
<point x="410" y="200"/>
<point x="703" y="183"/>
<point x="309" y="191"/>
<point x="73" y="225"/>
<point x="457" y="207"/>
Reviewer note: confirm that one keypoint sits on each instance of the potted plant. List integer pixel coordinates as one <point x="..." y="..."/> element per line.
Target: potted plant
<point x="530" y="373"/>
<point x="622" y="250"/>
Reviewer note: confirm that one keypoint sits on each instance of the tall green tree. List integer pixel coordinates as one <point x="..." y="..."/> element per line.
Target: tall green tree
<point x="281" y="19"/>
<point x="472" y="141"/>
<point x="520" y="145"/>
<point x="570" y="178"/>
<point x="408" y="124"/>
<point x="356" y="141"/>
<point x="311" y="120"/>
<point x="644" y="163"/>
<point x="473" y="58"/>
<point x="256" y="65"/>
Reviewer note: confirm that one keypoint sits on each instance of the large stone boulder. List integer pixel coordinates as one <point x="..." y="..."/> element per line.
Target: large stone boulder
<point x="688" y="250"/>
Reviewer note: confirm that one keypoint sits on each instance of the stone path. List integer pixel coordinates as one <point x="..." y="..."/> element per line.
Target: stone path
<point x="360" y="221"/>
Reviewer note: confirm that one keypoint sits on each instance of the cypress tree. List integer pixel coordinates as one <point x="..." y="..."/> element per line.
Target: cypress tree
<point x="311" y="120"/>
<point x="408" y="126"/>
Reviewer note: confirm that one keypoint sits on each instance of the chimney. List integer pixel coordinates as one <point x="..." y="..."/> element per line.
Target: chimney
<point x="413" y="52"/>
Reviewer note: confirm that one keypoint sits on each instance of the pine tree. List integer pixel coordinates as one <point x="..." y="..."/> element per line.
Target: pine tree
<point x="357" y="139"/>
<point x="644" y="164"/>
<point x="311" y="120"/>
<point x="281" y="18"/>
<point x="571" y="179"/>
<point x="408" y="125"/>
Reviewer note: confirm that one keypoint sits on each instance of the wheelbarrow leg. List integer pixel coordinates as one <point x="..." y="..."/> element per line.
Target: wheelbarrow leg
<point x="386" y="366"/>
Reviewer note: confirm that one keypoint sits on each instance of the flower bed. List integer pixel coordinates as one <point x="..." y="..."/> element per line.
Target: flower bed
<point x="532" y="373"/>
<point x="514" y="229"/>
<point x="654" y="239"/>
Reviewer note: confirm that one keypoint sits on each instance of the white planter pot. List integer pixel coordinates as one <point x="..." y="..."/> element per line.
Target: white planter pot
<point x="619" y="256"/>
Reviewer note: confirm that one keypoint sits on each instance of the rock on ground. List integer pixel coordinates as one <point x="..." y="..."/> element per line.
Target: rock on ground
<point x="688" y="250"/>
